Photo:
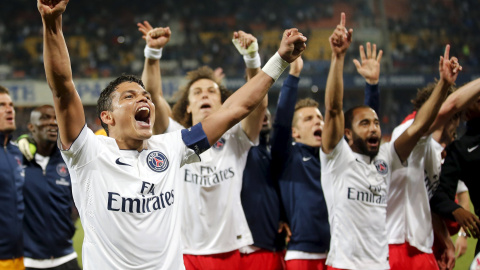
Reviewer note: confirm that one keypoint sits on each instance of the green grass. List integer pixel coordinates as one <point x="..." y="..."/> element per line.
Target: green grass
<point x="78" y="241"/>
<point x="462" y="263"/>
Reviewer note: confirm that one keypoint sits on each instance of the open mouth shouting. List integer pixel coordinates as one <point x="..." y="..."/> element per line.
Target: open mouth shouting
<point x="373" y="142"/>
<point x="142" y="116"/>
<point x="205" y="106"/>
<point x="318" y="134"/>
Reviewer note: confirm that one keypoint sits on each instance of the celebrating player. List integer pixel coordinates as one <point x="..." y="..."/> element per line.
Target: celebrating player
<point x="126" y="186"/>
<point x="356" y="171"/>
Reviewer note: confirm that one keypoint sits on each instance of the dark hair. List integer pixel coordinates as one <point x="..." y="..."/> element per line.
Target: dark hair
<point x="303" y="103"/>
<point x="104" y="102"/>
<point x="179" y="110"/>
<point x="424" y="93"/>
<point x="348" y="115"/>
<point x="4" y="90"/>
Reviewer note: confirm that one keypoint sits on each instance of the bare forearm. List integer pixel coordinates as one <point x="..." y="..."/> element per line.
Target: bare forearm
<point x="464" y="200"/>
<point x="251" y="72"/>
<point x="428" y="112"/>
<point x="440" y="229"/>
<point x="423" y="120"/>
<point x="334" y="122"/>
<point x="334" y="88"/>
<point x="456" y="102"/>
<point x="237" y="106"/>
<point x="249" y="96"/>
<point x="152" y="79"/>
<point x="252" y="124"/>
<point x="56" y="58"/>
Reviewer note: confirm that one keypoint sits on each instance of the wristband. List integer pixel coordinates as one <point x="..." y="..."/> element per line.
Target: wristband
<point x="152" y="53"/>
<point x="275" y="66"/>
<point x="462" y="234"/>
<point x="252" y="62"/>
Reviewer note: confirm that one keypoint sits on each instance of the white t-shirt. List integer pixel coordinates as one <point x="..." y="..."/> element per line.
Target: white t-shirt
<point x="128" y="201"/>
<point x="461" y="187"/>
<point x="213" y="217"/>
<point x="356" y="195"/>
<point x="408" y="211"/>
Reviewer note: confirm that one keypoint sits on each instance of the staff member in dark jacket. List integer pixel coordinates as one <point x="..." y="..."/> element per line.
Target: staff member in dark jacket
<point x="461" y="163"/>
<point x="296" y="141"/>
<point x="11" y="185"/>
<point x="48" y="226"/>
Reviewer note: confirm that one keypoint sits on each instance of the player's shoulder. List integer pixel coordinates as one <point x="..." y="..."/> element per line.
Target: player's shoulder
<point x="166" y="140"/>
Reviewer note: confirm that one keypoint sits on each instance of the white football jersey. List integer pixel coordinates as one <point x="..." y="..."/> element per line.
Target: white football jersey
<point x="355" y="191"/>
<point x="461" y="187"/>
<point x="213" y="217"/>
<point x="408" y="211"/>
<point x="128" y="201"/>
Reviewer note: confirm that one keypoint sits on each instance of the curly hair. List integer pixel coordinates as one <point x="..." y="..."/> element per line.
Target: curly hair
<point x="179" y="110"/>
<point x="424" y="93"/>
<point x="104" y="102"/>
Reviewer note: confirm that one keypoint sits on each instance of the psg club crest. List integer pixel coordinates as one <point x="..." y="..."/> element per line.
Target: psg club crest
<point x="381" y="166"/>
<point x="157" y="161"/>
<point x="62" y="170"/>
<point x="219" y="144"/>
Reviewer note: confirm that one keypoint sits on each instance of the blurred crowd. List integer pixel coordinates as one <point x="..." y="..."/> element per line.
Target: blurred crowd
<point x="104" y="41"/>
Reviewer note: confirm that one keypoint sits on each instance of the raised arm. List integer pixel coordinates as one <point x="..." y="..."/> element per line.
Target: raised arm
<point x="248" y="97"/>
<point x="334" y="128"/>
<point x="281" y="140"/>
<point x="247" y="46"/>
<point x="457" y="102"/>
<point x="448" y="69"/>
<point x="156" y="39"/>
<point x="68" y="105"/>
<point x="369" y="68"/>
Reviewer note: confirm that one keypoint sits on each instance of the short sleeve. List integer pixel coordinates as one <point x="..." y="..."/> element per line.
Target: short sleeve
<point x="86" y="147"/>
<point x="337" y="159"/>
<point x="461" y="187"/>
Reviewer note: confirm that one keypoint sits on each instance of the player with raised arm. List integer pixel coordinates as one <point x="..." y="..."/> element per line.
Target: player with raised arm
<point x="356" y="172"/>
<point x="213" y="187"/>
<point x="126" y="186"/>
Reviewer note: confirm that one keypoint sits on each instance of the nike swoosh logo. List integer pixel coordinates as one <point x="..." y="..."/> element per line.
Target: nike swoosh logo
<point x="306" y="158"/>
<point x="121" y="163"/>
<point x="471" y="149"/>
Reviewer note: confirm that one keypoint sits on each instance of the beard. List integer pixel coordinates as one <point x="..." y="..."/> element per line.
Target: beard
<point x="362" y="146"/>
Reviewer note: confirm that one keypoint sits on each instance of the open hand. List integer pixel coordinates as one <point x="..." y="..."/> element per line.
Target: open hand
<point x="370" y="66"/>
<point x="468" y="221"/>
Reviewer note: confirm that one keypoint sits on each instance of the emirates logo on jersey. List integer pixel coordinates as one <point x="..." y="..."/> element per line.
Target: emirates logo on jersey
<point x="381" y="166"/>
<point x="157" y="161"/>
<point x="219" y="144"/>
<point x="62" y="170"/>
